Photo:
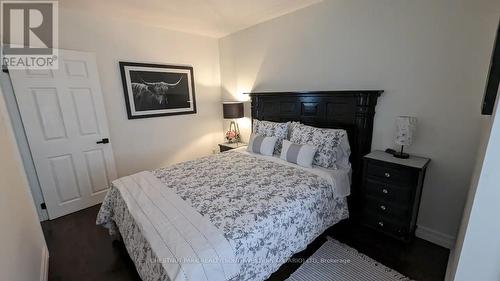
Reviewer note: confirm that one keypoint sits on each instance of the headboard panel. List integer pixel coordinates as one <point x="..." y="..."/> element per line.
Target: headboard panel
<point x="349" y="110"/>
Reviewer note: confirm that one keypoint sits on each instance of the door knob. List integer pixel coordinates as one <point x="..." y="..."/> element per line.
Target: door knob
<point x="105" y="140"/>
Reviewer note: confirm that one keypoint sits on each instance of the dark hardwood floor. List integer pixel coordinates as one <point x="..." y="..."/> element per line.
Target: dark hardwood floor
<point x="80" y="250"/>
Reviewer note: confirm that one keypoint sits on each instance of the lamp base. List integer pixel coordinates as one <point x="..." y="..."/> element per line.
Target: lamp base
<point x="233" y="135"/>
<point x="401" y="155"/>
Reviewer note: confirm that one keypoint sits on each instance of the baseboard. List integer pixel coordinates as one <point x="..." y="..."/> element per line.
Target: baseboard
<point x="435" y="237"/>
<point x="44" y="272"/>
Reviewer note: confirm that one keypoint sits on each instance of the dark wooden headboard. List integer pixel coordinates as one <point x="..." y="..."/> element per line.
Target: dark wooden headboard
<point x="349" y="110"/>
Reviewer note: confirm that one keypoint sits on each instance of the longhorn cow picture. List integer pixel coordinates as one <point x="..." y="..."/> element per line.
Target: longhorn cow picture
<point x="153" y="90"/>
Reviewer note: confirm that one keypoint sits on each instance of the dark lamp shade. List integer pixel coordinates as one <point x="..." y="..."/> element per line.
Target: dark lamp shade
<point x="232" y="110"/>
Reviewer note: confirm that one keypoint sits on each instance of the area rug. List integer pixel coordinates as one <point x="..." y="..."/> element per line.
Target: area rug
<point x="338" y="262"/>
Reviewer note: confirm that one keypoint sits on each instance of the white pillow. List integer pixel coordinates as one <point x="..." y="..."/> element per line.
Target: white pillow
<point x="343" y="153"/>
<point x="261" y="144"/>
<point x="300" y="154"/>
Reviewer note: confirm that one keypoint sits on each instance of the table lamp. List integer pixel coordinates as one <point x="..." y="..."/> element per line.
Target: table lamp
<point x="233" y="111"/>
<point x="405" y="131"/>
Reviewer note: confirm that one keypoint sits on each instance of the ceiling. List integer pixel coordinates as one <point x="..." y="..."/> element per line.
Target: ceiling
<point x="214" y="18"/>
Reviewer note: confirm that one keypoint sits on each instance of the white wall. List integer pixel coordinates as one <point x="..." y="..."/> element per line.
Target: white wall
<point x="455" y="252"/>
<point x="153" y="142"/>
<point x="23" y="251"/>
<point x="22" y="144"/>
<point x="431" y="58"/>
<point x="477" y="255"/>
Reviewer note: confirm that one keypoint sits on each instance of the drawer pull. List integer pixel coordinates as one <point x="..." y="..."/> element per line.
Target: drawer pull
<point x="387" y="175"/>
<point x="381" y="223"/>
<point x="383" y="207"/>
<point x="385" y="191"/>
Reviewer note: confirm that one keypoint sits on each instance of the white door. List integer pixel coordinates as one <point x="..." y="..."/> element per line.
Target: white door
<point x="64" y="118"/>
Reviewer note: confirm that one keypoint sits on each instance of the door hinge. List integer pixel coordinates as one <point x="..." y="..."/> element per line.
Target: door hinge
<point x="43" y="206"/>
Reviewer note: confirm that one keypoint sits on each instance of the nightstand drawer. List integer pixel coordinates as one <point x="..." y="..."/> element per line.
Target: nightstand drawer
<point x="386" y="173"/>
<point x="386" y="225"/>
<point x="387" y="209"/>
<point x="388" y="192"/>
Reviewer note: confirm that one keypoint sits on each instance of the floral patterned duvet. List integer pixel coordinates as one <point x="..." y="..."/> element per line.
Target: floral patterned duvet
<point x="267" y="211"/>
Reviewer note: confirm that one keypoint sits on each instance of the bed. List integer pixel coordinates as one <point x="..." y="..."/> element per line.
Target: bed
<point x="238" y="215"/>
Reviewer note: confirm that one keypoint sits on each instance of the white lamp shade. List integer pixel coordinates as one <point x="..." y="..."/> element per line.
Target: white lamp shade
<point x="405" y="130"/>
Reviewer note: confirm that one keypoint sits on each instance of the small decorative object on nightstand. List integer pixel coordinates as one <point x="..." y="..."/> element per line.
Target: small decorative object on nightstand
<point x="391" y="193"/>
<point x="228" y="146"/>
<point x="233" y="111"/>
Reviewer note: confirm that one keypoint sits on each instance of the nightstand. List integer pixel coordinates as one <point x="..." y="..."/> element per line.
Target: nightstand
<point x="391" y="193"/>
<point x="228" y="146"/>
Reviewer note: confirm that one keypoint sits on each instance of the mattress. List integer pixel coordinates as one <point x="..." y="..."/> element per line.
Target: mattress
<point x="266" y="208"/>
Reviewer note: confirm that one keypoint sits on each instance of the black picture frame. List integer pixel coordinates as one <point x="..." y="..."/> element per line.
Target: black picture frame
<point x="490" y="93"/>
<point x="154" y="90"/>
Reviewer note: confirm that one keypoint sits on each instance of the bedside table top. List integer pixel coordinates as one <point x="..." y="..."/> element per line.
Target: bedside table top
<point x="413" y="161"/>
<point x="233" y="145"/>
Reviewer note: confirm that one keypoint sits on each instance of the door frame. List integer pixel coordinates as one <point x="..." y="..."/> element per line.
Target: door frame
<point x="22" y="145"/>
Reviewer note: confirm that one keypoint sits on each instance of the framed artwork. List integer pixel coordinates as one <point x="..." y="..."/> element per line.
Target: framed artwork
<point x="491" y="91"/>
<point x="153" y="90"/>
